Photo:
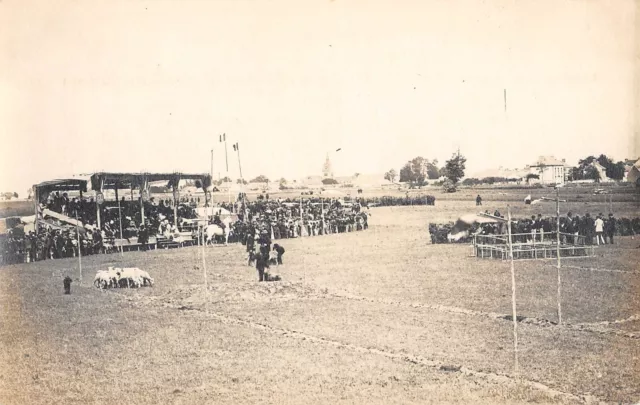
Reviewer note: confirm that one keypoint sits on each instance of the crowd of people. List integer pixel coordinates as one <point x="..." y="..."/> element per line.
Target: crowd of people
<point x="288" y="218"/>
<point x="279" y="218"/>
<point x="54" y="242"/>
<point x="588" y="230"/>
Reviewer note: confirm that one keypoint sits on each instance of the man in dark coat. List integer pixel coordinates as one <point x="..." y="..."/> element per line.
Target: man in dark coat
<point x="589" y="228"/>
<point x="280" y="250"/>
<point x="143" y="237"/>
<point x="610" y="228"/>
<point x="265" y="243"/>
<point x="262" y="263"/>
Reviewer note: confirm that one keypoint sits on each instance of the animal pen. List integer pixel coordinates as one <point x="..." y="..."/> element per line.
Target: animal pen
<point x="532" y="246"/>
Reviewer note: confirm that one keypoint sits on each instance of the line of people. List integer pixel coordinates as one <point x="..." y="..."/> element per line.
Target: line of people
<point x="587" y="230"/>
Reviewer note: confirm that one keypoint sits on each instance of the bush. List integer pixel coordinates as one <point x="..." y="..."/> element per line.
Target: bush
<point x="448" y="186"/>
<point x="328" y="181"/>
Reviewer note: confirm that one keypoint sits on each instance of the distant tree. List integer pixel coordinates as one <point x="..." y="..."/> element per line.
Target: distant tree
<point x="613" y="170"/>
<point x="391" y="175"/>
<point x="356" y="175"/>
<point x="329" y="180"/>
<point x="531" y="176"/>
<point x="591" y="173"/>
<point x="260" y="179"/>
<point x="454" y="168"/>
<point x="417" y="170"/>
<point x="405" y="173"/>
<point x="433" y="172"/>
<point x="470" y="181"/>
<point x="15" y="195"/>
<point x="574" y="173"/>
<point x="241" y="181"/>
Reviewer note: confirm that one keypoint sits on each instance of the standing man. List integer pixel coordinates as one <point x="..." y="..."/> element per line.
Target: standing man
<point x="265" y="244"/>
<point x="478" y="200"/>
<point x="262" y="262"/>
<point x="143" y="237"/>
<point x="610" y="228"/>
<point x="599" y="227"/>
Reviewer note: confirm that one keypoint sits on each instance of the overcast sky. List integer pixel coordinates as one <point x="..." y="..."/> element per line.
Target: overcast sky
<point x="149" y="85"/>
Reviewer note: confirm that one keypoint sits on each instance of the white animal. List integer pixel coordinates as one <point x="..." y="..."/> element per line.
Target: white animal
<point x="121" y="277"/>
<point x="211" y="231"/>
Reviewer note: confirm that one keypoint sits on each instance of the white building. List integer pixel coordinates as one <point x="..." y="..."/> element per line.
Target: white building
<point x="550" y="170"/>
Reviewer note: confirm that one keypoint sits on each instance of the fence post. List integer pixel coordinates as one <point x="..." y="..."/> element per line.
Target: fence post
<point x="513" y="298"/>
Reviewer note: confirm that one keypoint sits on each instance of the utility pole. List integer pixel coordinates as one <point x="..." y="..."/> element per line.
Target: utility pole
<point x="211" y="163"/>
<point x="558" y="265"/>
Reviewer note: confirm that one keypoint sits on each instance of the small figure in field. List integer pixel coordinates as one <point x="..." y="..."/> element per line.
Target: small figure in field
<point x="478" y="200"/>
<point x="67" y="285"/>
<point x="262" y="263"/>
<point x="280" y="250"/>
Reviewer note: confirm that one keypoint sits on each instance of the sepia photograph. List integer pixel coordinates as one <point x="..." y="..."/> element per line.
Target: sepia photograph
<point x="319" y="202"/>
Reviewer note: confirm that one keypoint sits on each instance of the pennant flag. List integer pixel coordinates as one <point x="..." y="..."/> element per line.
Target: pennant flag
<point x="223" y="137"/>
<point x="338" y="150"/>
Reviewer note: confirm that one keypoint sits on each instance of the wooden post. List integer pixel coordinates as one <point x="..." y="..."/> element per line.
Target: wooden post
<point x="513" y="297"/>
<point x="120" y="222"/>
<point x="79" y="247"/>
<point x="35" y="198"/>
<point x="558" y="254"/>
<point x="143" y="187"/>
<point x="175" y="202"/>
<point x="98" y="213"/>
<point x="301" y="219"/>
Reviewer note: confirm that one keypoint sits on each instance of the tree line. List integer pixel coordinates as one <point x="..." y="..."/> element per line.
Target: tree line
<point x="418" y="170"/>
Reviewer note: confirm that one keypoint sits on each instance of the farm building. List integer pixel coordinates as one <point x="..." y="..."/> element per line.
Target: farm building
<point x="633" y="174"/>
<point x="550" y="170"/>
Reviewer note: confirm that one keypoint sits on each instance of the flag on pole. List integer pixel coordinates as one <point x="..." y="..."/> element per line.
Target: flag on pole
<point x="338" y="150"/>
<point x="236" y="147"/>
<point x="223" y="137"/>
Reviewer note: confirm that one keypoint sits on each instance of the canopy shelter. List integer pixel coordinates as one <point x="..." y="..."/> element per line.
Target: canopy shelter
<point x="113" y="181"/>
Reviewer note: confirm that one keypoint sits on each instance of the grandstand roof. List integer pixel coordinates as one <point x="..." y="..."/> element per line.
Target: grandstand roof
<point x="109" y="180"/>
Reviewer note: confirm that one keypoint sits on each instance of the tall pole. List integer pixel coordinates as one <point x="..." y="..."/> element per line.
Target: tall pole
<point x="79" y="246"/>
<point x="226" y="159"/>
<point x="513" y="296"/>
<point x="204" y="262"/>
<point x="237" y="148"/>
<point x="35" y="207"/>
<point x="211" y="163"/>
<point x="120" y="221"/>
<point x="558" y="254"/>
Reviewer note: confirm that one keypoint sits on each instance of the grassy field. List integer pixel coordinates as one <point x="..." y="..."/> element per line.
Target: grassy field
<point x="373" y="317"/>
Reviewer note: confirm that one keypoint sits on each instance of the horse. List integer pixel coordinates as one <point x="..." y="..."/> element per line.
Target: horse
<point x="212" y="231"/>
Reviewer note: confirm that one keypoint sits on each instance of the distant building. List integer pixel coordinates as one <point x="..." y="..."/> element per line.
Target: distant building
<point x="327" y="171"/>
<point x="550" y="170"/>
<point x="633" y="174"/>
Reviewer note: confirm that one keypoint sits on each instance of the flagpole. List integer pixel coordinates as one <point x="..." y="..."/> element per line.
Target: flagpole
<point x="226" y="159"/>
<point x="237" y="148"/>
